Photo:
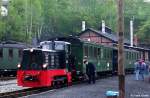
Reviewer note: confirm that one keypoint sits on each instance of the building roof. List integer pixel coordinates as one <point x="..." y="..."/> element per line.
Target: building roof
<point x="13" y="44"/>
<point x="111" y="36"/>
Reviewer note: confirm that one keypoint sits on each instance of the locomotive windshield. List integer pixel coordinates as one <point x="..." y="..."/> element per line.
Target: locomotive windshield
<point x="59" y="46"/>
<point x="32" y="60"/>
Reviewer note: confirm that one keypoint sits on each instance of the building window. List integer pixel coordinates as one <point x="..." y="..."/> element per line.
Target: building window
<point x="11" y="53"/>
<point x="1" y="53"/>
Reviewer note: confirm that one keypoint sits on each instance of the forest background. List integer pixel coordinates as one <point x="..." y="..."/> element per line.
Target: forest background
<point x="42" y="19"/>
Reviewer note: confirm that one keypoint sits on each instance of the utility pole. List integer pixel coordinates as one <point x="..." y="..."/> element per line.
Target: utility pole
<point x="121" y="73"/>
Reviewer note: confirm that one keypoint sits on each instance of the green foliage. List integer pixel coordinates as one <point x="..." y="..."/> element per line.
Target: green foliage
<point x="48" y="18"/>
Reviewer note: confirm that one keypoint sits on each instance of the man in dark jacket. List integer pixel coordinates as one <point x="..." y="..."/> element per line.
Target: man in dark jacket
<point x="90" y="71"/>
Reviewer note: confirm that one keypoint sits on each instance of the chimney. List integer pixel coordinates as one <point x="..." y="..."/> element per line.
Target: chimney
<point x="131" y="33"/>
<point x="103" y="26"/>
<point x="135" y="40"/>
<point x="83" y="25"/>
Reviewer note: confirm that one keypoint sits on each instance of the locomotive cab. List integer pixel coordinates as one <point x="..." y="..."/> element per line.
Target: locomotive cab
<point x="41" y="67"/>
<point x="56" y="45"/>
<point x="66" y="48"/>
<point x="37" y="59"/>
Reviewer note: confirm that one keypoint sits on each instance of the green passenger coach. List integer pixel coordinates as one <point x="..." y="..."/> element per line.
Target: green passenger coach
<point x="10" y="55"/>
<point x="105" y="58"/>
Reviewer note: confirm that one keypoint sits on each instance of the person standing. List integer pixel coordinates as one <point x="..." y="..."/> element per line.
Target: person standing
<point x="146" y="73"/>
<point x="90" y="71"/>
<point x="142" y="69"/>
<point x="137" y="69"/>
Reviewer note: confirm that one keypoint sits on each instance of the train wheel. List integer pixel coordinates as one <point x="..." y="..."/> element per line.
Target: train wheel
<point x="69" y="83"/>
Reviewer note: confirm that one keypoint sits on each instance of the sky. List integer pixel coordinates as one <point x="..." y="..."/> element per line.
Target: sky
<point x="146" y="0"/>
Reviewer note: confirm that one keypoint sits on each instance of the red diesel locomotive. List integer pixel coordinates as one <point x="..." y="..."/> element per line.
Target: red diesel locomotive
<point x="44" y="67"/>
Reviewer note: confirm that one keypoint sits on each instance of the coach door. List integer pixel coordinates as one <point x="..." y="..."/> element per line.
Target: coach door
<point x="115" y="61"/>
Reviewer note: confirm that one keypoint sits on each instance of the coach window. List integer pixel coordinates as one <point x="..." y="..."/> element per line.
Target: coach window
<point x="90" y="51"/>
<point x="130" y="55"/>
<point x="133" y="56"/>
<point x="105" y="53"/>
<point x="127" y="55"/>
<point x="137" y="56"/>
<point x="102" y="53"/>
<point x="108" y="53"/>
<point x="1" y="53"/>
<point x="99" y="51"/>
<point x="20" y="53"/>
<point x="11" y="53"/>
<point x="95" y="52"/>
<point x="86" y="51"/>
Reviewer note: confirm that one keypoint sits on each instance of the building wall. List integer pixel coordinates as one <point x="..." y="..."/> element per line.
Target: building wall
<point x="93" y="37"/>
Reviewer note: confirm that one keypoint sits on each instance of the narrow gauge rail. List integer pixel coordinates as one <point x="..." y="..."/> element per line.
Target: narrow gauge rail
<point x="7" y="84"/>
<point x="21" y="93"/>
<point x="7" y="78"/>
<point x="30" y="91"/>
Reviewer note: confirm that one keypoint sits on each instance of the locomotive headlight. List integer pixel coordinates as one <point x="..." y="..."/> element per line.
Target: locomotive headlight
<point x="31" y="50"/>
<point x="45" y="65"/>
<point x="19" y="65"/>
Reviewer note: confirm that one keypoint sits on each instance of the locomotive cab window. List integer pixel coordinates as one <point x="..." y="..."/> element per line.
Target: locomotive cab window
<point x="32" y="60"/>
<point x="59" y="46"/>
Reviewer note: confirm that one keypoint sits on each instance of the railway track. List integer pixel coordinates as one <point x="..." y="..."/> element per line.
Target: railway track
<point x="24" y="92"/>
<point x="7" y="84"/>
<point x="29" y="91"/>
<point x="7" y="78"/>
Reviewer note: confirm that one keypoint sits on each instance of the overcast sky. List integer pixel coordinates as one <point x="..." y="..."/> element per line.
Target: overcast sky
<point x="146" y="0"/>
